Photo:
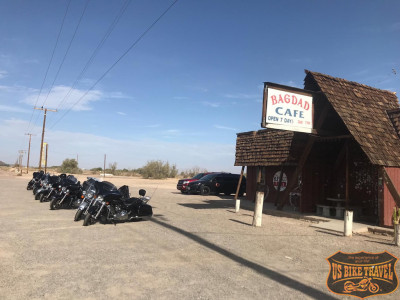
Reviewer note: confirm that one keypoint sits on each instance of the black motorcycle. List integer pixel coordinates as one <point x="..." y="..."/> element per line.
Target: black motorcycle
<point x="49" y="188"/>
<point x="35" y="178"/>
<point x="111" y="207"/>
<point x="38" y="183"/>
<point x="88" y="196"/>
<point x="68" y="195"/>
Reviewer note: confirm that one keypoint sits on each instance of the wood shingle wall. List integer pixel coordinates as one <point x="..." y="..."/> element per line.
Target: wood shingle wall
<point x="268" y="147"/>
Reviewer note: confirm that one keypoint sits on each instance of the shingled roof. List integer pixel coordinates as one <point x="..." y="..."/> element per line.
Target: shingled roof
<point x="364" y="111"/>
<point x="268" y="147"/>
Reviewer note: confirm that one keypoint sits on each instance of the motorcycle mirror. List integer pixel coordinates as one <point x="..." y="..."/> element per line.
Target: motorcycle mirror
<point x="142" y="192"/>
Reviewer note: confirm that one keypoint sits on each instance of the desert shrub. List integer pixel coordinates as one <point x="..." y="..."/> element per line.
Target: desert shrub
<point x="113" y="167"/>
<point x="70" y="166"/>
<point x="158" y="170"/>
<point x="3" y="164"/>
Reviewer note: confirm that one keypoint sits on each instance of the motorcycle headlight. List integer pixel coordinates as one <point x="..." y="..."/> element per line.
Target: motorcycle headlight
<point x="90" y="195"/>
<point x="59" y="186"/>
<point x="67" y="191"/>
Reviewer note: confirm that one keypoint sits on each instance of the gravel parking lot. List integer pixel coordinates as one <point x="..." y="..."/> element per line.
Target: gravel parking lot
<point x="195" y="247"/>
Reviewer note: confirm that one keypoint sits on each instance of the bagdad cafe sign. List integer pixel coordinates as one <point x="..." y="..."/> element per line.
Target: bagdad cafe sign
<point x="287" y="108"/>
<point x="362" y="274"/>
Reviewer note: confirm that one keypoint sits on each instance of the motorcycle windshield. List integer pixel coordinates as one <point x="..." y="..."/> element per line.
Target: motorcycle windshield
<point x="107" y="189"/>
<point x="72" y="179"/>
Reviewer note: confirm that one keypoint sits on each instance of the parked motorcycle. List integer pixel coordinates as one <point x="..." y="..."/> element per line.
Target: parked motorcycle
<point x="111" y="207"/>
<point x="88" y="196"/>
<point x="49" y="188"/>
<point x="39" y="182"/>
<point x="44" y="185"/>
<point x="35" y="177"/>
<point x="68" y="195"/>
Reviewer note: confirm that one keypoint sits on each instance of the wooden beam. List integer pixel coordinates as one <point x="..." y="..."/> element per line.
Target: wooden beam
<point x="237" y="202"/>
<point x="279" y="187"/>
<point x="293" y="181"/>
<point x="347" y="175"/>
<point x="337" y="137"/>
<point x="392" y="189"/>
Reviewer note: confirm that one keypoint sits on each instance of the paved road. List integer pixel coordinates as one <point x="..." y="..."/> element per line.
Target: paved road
<point x="195" y="247"/>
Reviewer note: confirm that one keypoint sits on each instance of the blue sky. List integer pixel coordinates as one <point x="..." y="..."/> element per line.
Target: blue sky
<point x="188" y="86"/>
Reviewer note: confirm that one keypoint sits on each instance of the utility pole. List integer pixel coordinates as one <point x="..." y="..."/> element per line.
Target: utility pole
<point x="45" y="164"/>
<point x="44" y="125"/>
<point x="29" y="151"/>
<point x="21" y="154"/>
<point x="104" y="170"/>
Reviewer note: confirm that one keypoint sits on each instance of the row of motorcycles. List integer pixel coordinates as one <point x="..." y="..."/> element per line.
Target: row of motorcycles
<point x="94" y="200"/>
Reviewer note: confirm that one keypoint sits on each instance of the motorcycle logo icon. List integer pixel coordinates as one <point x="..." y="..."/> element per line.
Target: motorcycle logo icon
<point x="362" y="274"/>
<point x="362" y="286"/>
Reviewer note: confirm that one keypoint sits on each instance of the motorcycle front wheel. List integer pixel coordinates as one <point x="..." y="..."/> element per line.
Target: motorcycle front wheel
<point x="89" y="220"/>
<point x="78" y="215"/>
<point x="41" y="198"/>
<point x="54" y="204"/>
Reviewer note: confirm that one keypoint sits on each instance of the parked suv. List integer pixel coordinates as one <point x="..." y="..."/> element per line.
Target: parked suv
<point x="216" y="183"/>
<point x="182" y="183"/>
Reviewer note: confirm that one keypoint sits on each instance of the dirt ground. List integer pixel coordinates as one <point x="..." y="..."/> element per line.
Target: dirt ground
<point x="195" y="247"/>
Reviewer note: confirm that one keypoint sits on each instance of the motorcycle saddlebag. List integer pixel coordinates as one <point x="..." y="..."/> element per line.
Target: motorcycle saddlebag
<point x="145" y="210"/>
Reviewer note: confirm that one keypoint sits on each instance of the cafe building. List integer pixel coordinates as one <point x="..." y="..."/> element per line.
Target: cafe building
<point x="332" y="146"/>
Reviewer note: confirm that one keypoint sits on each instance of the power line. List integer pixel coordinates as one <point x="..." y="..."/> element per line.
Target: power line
<point x="67" y="51"/>
<point x="51" y="60"/>
<point x="118" y="60"/>
<point x="99" y="46"/>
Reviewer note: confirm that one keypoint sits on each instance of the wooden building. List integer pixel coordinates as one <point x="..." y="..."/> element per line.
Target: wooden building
<point x="350" y="160"/>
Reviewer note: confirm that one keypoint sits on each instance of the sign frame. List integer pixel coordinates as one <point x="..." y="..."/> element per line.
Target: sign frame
<point x="296" y="91"/>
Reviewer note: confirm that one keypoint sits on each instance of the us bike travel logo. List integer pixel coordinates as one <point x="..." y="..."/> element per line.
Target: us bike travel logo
<point x="362" y="274"/>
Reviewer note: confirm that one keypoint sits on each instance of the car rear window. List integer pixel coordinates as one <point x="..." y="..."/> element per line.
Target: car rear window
<point x="208" y="177"/>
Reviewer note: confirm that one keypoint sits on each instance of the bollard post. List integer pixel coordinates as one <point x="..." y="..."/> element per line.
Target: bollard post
<point x="397" y="234"/>
<point x="348" y="223"/>
<point x="237" y="205"/>
<point x="258" y="210"/>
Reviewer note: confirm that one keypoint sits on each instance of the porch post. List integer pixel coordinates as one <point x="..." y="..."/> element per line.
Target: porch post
<point x="347" y="175"/>
<point x="348" y="223"/>
<point x="258" y="209"/>
<point x="237" y="204"/>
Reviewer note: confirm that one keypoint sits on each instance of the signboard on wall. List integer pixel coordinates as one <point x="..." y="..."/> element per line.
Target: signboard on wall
<point x="287" y="108"/>
<point x="44" y="154"/>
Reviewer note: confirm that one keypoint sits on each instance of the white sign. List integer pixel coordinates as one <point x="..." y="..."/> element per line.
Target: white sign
<point x="289" y="111"/>
<point x="275" y="181"/>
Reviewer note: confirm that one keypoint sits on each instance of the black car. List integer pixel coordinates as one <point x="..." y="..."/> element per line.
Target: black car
<point x="217" y="183"/>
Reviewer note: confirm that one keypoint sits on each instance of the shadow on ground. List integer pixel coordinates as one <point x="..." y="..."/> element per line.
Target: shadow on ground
<point x="264" y="271"/>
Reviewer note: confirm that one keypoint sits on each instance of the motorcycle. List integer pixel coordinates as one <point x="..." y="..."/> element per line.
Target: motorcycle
<point x="35" y="177"/>
<point x="48" y="188"/>
<point x="68" y="194"/>
<point x="88" y="196"/>
<point x="44" y="186"/>
<point x="111" y="207"/>
<point x="38" y="183"/>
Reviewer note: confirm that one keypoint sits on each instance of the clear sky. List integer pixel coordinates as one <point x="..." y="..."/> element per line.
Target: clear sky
<point x="183" y="90"/>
